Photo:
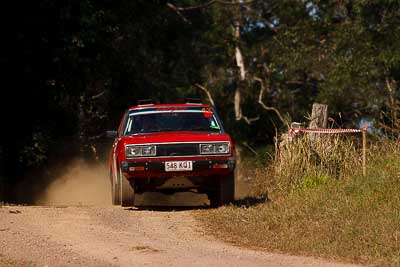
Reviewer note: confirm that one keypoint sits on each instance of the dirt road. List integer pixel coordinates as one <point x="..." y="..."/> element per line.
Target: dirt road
<point x="114" y="236"/>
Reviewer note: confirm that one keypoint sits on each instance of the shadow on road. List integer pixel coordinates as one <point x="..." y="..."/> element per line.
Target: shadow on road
<point x="187" y="201"/>
<point x="167" y="208"/>
<point x="175" y="202"/>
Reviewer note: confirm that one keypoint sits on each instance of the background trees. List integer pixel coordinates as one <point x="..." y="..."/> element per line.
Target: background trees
<point x="70" y="68"/>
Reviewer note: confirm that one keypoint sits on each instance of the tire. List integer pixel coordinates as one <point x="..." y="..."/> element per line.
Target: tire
<point x="227" y="189"/>
<point x="214" y="199"/>
<point x="224" y="193"/>
<point x="115" y="190"/>
<point x="127" y="191"/>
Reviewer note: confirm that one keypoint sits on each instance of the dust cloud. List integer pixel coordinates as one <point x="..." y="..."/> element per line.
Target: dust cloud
<point x="89" y="185"/>
<point x="81" y="184"/>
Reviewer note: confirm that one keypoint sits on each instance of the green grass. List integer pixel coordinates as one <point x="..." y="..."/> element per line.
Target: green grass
<point x="347" y="217"/>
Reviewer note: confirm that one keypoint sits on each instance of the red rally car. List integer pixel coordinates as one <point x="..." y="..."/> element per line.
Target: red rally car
<point x="170" y="148"/>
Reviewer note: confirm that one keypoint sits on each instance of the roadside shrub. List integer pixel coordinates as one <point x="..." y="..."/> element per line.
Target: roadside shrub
<point x="304" y="163"/>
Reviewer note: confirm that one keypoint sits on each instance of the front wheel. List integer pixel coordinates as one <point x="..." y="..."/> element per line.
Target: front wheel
<point x="115" y="190"/>
<point x="127" y="191"/>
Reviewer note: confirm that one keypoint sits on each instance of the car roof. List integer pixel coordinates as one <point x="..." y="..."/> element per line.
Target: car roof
<point x="172" y="106"/>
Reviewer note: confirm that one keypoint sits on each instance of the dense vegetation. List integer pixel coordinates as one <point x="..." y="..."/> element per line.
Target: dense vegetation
<point x="70" y="68"/>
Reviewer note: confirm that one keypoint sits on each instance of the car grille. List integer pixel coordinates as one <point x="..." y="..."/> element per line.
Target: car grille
<point x="176" y="150"/>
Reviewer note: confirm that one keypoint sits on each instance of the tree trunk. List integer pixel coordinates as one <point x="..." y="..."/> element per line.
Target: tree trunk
<point x="393" y="105"/>
<point x="242" y="76"/>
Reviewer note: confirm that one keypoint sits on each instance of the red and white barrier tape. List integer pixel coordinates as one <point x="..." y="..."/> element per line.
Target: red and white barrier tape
<point x="323" y="131"/>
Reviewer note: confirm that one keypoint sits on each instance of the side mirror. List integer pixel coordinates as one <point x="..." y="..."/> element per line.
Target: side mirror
<point x="112" y="134"/>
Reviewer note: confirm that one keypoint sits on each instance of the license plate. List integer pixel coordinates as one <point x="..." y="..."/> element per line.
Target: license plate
<point x="173" y="166"/>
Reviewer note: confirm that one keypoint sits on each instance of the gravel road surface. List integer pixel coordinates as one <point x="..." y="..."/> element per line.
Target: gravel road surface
<point x="115" y="236"/>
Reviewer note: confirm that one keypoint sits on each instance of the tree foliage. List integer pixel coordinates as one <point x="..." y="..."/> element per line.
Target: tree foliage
<point x="71" y="67"/>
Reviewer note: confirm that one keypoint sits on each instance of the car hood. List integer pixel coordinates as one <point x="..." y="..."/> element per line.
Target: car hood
<point x="169" y="137"/>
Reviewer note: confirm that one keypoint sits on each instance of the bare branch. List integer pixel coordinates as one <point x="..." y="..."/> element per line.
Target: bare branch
<point x="209" y="3"/>
<point x="192" y="7"/>
<point x="177" y="11"/>
<point x="99" y="95"/>
<point x="388" y="128"/>
<point x="260" y="101"/>
<point x="389" y="84"/>
<point x="246" y="119"/>
<point x="250" y="120"/>
<point x="207" y="93"/>
<point x="238" y="109"/>
<point x="250" y="148"/>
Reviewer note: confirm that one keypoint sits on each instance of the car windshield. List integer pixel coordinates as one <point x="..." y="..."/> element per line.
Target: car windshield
<point x="170" y="121"/>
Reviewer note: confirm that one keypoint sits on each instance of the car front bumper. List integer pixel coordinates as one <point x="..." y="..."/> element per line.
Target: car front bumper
<point x="156" y="168"/>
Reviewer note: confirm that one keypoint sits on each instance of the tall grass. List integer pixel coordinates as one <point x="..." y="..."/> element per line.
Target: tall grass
<point x="303" y="163"/>
<point x="321" y="204"/>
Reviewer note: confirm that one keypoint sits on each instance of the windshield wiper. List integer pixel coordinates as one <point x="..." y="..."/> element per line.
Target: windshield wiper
<point x="168" y="130"/>
<point x="160" y="130"/>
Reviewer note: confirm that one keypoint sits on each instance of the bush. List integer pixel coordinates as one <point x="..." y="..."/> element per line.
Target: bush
<point x="303" y="163"/>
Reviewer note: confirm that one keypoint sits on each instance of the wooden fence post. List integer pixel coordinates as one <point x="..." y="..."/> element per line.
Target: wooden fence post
<point x="364" y="150"/>
<point x="319" y="118"/>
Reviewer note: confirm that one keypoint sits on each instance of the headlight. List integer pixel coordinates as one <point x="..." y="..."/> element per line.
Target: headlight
<point x="214" y="148"/>
<point x="140" y="151"/>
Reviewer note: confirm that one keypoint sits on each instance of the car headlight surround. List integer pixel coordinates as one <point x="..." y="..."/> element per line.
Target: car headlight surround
<point x="134" y="151"/>
<point x="215" y="148"/>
